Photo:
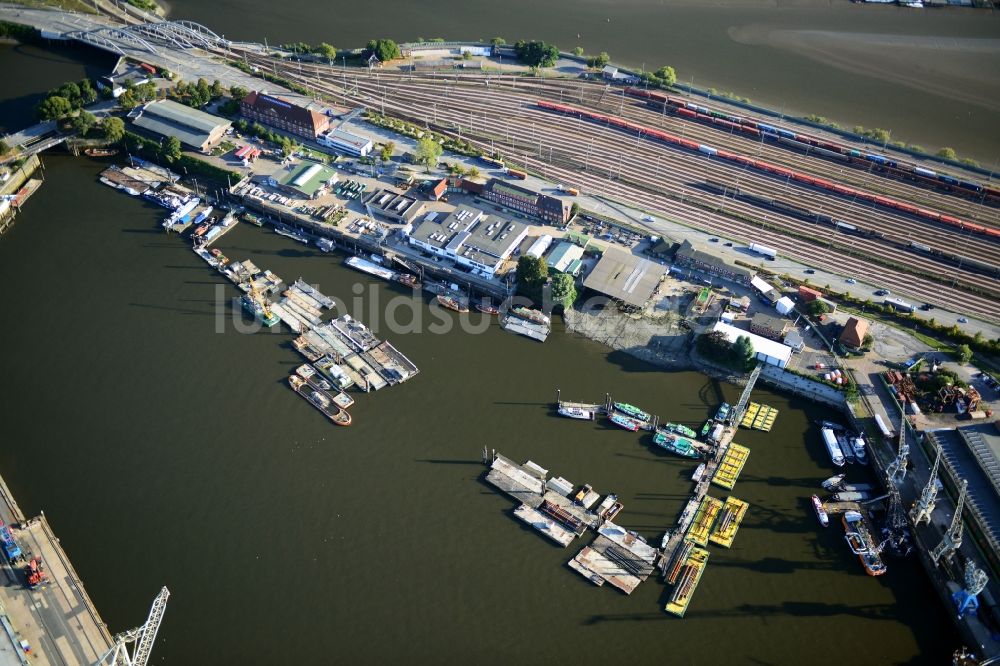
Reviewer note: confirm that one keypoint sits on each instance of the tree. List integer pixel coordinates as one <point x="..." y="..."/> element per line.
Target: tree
<point x="387" y="150"/>
<point x="578" y="51"/>
<point x="817" y="307"/>
<point x="217" y="89"/>
<point x="867" y="342"/>
<point x="667" y="76"/>
<point x="599" y="61"/>
<point x="384" y="49"/>
<point x="563" y="290"/>
<point x="531" y="270"/>
<point x="947" y="153"/>
<point x="70" y="91"/>
<point x="54" y="108"/>
<point x="428" y="151"/>
<point x="497" y="42"/>
<point x="238" y="93"/>
<point x="743" y="355"/>
<point x="87" y="93"/>
<point x="83" y="122"/>
<point x="4" y="147"/>
<point x="127" y="100"/>
<point x="964" y="353"/>
<point x="473" y="172"/>
<point x="114" y="129"/>
<point x="172" y="149"/>
<point x="328" y="51"/>
<point x="203" y="93"/>
<point x="536" y="54"/>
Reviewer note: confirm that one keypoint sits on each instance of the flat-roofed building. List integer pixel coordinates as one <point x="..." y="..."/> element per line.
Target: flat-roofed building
<point x="345" y="142"/>
<point x="284" y="115"/>
<point x="394" y="206"/>
<point x="470" y="238"/>
<point x="550" y="209"/>
<point x="563" y="256"/>
<point x="769" y="326"/>
<point x="625" y="277"/>
<point x="307" y="180"/>
<point x="194" y="128"/>
<point x="769" y="351"/>
<point x="687" y="256"/>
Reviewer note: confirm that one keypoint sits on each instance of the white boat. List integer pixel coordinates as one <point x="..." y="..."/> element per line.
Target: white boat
<point x="294" y="234"/>
<point x="334" y="373"/>
<point x="698" y="472"/>
<point x="366" y="266"/>
<point x="325" y="244"/>
<point x="851" y="496"/>
<point x="608" y="502"/>
<point x="859" y="450"/>
<point x="576" y="413"/>
<point x="832" y="447"/>
<point x="824" y="519"/>
<point x="305" y="371"/>
<point x="833" y="482"/>
<point x="665" y="540"/>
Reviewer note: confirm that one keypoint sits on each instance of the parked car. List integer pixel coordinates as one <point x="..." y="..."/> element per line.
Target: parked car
<point x="810" y="271"/>
<point x="882" y="292"/>
<point x="851" y="281"/>
<point x="713" y="240"/>
<point x="729" y="244"/>
<point x="963" y="320"/>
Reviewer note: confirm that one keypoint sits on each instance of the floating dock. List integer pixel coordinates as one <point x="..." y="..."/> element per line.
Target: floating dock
<point x="544" y="524"/>
<point x="616" y="556"/>
<point x="691" y="570"/>
<point x="729" y="522"/>
<point x="703" y="520"/>
<point x="525" y="483"/>
<point x="306" y="288"/>
<point x="529" y="329"/>
<point x="759" y="417"/>
<point x="731" y="465"/>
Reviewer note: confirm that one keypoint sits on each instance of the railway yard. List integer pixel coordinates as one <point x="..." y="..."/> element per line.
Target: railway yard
<point x="932" y="239"/>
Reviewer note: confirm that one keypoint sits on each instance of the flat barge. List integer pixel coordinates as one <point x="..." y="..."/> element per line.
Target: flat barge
<point x="704" y="519"/>
<point x="729" y="521"/>
<point x="690" y="575"/>
<point x="730" y="466"/>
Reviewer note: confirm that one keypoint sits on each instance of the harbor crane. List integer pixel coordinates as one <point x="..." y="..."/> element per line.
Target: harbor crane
<point x="924" y="506"/>
<point x="896" y="470"/>
<point x="966" y="599"/>
<point x="952" y="539"/>
<point x="142" y="637"/>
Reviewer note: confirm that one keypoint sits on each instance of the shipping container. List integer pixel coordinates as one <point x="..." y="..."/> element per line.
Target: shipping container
<point x="763" y="249"/>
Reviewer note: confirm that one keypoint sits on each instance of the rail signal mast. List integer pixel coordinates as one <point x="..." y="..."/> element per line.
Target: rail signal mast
<point x="952" y="539"/>
<point x="142" y="637"/>
<point x="924" y="506"/>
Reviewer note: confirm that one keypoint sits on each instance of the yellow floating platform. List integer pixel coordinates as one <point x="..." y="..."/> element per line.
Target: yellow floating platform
<point x="703" y="520"/>
<point x="750" y="415"/>
<point x="731" y="465"/>
<point x="693" y="567"/>
<point x="729" y="522"/>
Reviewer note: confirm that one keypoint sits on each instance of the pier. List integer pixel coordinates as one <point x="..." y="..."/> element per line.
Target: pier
<point x="56" y="623"/>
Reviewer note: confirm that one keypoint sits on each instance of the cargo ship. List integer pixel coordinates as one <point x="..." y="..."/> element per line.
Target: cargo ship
<point x="320" y="401"/>
<point x="536" y="316"/>
<point x="674" y="444"/>
<point x="576" y="413"/>
<point x="626" y="422"/>
<point x="451" y="303"/>
<point x="260" y="313"/>
<point x="860" y="542"/>
<point x="631" y="410"/>
<point x="821" y="514"/>
<point x="679" y="429"/>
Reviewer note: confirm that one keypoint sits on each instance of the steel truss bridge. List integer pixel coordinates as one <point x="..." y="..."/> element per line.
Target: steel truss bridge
<point x="147" y="36"/>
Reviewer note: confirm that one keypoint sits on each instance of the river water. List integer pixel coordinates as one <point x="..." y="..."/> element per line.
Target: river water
<point x="930" y="76"/>
<point x="165" y="448"/>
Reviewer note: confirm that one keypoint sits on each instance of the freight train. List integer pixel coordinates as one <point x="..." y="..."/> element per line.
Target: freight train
<point x="816" y="146"/>
<point x="968" y="263"/>
<point x="773" y="169"/>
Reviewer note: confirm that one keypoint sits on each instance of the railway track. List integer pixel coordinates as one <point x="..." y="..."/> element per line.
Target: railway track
<point x="583" y="155"/>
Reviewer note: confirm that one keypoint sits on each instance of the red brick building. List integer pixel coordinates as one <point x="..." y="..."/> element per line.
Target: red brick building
<point x="283" y="115"/>
<point x="550" y="209"/>
<point x="854" y="332"/>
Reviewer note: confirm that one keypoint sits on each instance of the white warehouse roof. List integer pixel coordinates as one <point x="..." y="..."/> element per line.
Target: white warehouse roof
<point x="780" y="353"/>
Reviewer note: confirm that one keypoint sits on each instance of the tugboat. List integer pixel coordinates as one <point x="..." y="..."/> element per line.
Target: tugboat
<point x="405" y="279"/>
<point x="487" y="308"/>
<point x="320" y="401"/>
<point x="674" y="444"/>
<point x="623" y="421"/>
<point x="824" y="519"/>
<point x="451" y="303"/>
<point x="536" y="316"/>
<point x="860" y="543"/>
<point x="631" y="410"/>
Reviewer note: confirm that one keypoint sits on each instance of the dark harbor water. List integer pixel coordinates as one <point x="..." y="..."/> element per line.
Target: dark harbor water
<point x="930" y="76"/>
<point x="166" y="452"/>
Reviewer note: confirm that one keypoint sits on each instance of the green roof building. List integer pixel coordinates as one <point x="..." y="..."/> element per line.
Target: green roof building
<point x="305" y="181"/>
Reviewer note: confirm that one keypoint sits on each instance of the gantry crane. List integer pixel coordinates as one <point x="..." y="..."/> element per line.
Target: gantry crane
<point x="142" y="637"/>
<point x="975" y="581"/>
<point x="924" y="506"/>
<point x="952" y="539"/>
<point x="896" y="470"/>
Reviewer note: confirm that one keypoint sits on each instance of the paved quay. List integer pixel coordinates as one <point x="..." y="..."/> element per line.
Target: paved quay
<point x="57" y="623"/>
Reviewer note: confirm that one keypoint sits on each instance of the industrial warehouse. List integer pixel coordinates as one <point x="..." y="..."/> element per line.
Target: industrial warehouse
<point x="470" y="238"/>
<point x="195" y="129"/>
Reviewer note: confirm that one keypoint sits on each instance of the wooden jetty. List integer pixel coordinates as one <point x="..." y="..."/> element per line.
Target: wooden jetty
<point x="731" y="465"/>
<point x="729" y="522"/>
